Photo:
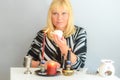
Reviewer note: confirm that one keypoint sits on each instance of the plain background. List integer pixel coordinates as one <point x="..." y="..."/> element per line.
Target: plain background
<point x="20" y="20"/>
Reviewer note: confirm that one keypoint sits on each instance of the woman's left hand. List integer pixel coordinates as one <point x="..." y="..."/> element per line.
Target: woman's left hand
<point x="61" y="43"/>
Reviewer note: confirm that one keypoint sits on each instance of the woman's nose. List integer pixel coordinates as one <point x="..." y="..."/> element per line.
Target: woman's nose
<point x="59" y="16"/>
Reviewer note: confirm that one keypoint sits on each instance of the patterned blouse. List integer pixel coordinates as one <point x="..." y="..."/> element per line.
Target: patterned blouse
<point x="77" y="42"/>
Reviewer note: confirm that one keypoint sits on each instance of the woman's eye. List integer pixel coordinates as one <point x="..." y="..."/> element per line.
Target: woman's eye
<point x="64" y="13"/>
<point x="55" y="13"/>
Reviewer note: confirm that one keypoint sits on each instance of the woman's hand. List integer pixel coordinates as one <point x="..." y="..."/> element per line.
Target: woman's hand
<point x="36" y="64"/>
<point x="61" y="43"/>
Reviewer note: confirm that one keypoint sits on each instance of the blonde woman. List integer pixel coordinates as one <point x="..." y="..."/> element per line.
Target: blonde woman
<point x="60" y="17"/>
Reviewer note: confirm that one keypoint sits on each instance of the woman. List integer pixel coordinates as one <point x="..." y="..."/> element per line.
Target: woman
<point x="60" y="17"/>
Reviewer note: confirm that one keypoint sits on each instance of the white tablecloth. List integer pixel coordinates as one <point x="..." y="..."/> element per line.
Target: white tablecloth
<point x="18" y="74"/>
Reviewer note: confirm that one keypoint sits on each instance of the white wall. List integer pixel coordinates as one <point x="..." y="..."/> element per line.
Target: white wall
<point x="101" y="18"/>
<point x="21" y="19"/>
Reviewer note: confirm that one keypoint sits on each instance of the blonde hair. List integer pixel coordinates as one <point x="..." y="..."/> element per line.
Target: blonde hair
<point x="70" y="29"/>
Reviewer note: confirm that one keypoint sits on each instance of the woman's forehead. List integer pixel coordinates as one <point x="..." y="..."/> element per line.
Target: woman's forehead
<point x="59" y="6"/>
<point x="60" y="9"/>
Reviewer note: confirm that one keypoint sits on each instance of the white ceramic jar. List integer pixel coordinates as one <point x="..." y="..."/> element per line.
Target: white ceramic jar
<point x="106" y="68"/>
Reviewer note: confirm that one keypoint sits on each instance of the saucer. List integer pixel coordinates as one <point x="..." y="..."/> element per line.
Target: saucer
<point x="38" y="72"/>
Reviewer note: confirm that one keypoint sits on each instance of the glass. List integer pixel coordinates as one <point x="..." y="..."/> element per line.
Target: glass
<point x="27" y="64"/>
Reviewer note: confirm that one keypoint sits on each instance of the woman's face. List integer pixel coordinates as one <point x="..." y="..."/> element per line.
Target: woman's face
<point x="60" y="18"/>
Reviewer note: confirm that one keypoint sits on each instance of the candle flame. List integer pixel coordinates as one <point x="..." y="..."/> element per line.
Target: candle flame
<point x="46" y="31"/>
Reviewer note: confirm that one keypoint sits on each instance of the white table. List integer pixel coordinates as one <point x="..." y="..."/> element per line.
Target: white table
<point x="18" y="74"/>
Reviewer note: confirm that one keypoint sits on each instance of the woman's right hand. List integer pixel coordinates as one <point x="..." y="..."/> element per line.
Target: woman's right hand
<point x="35" y="64"/>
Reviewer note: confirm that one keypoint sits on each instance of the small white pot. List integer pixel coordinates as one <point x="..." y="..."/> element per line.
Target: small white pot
<point x="106" y="68"/>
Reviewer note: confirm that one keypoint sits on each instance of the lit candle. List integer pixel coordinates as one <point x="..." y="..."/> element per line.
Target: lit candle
<point x="51" y="68"/>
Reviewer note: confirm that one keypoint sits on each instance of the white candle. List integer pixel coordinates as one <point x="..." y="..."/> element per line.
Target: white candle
<point x="59" y="33"/>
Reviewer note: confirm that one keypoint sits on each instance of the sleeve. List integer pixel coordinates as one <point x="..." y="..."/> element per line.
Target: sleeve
<point x="36" y="47"/>
<point x="80" y="48"/>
